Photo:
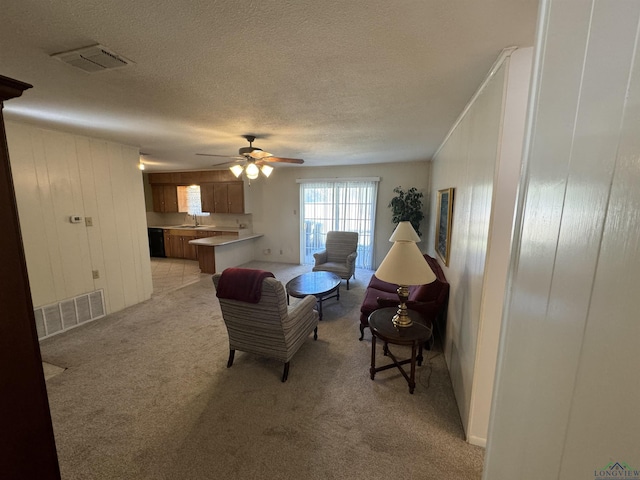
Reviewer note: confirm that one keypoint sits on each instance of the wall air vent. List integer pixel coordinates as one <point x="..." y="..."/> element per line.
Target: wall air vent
<point x="93" y="59"/>
<point x="62" y="316"/>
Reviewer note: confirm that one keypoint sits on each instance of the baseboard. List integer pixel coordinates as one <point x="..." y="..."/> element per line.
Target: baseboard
<point x="480" y="442"/>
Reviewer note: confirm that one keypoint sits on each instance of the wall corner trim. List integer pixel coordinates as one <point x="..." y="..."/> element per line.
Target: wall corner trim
<point x="504" y="54"/>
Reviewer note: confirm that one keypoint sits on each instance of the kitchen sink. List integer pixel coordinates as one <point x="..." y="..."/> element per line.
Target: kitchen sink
<point x="192" y="226"/>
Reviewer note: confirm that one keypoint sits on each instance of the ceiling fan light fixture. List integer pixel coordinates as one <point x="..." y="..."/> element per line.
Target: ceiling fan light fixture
<point x="266" y="170"/>
<point x="236" y="170"/>
<point x="259" y="154"/>
<point x="252" y="171"/>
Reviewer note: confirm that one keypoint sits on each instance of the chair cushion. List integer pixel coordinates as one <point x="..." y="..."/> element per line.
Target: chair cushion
<point x="339" y="269"/>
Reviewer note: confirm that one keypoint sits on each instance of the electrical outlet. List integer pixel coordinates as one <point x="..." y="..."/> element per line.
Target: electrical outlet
<point x="96" y="274"/>
<point x="281" y="251"/>
<point x="267" y="251"/>
<point x="88" y="221"/>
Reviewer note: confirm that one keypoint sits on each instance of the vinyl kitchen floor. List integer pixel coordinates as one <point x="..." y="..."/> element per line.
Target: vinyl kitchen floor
<point x="171" y="273"/>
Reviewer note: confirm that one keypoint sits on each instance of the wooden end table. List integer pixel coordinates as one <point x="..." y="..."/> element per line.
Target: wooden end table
<point x="319" y="284"/>
<point x="415" y="336"/>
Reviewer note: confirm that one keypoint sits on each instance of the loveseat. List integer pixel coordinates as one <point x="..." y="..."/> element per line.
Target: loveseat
<point x="430" y="300"/>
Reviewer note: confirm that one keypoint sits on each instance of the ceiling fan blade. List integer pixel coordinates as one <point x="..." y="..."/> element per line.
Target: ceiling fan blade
<point x="224" y="164"/>
<point x="284" y="160"/>
<point x="221" y="156"/>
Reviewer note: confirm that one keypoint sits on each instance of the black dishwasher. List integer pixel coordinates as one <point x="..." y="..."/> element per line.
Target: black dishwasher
<point x="156" y="242"/>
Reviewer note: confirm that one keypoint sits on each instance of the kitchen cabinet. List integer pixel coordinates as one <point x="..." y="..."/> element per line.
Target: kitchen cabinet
<point x="172" y="247"/>
<point x="222" y="197"/>
<point x="176" y="244"/>
<point x="165" y="198"/>
<point x="189" y="251"/>
<point x="207" y="233"/>
<point x="191" y="178"/>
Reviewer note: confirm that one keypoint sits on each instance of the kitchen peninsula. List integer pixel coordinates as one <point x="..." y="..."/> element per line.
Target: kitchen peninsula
<point x="224" y="251"/>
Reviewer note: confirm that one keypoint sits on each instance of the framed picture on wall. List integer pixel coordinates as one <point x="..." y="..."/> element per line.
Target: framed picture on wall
<point x="443" y="224"/>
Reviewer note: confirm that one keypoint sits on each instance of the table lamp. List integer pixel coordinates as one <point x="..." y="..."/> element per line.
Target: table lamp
<point x="404" y="265"/>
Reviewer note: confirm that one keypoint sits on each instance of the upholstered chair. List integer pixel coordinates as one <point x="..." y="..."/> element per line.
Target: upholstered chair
<point x="258" y="319"/>
<point x="339" y="255"/>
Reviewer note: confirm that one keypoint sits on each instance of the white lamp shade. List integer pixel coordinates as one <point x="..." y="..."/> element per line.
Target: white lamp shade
<point x="266" y="170"/>
<point x="236" y="170"/>
<point x="405" y="265"/>
<point x="404" y="232"/>
<point x="252" y="171"/>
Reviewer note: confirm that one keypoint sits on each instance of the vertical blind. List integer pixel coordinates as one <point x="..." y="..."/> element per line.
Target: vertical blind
<point x="338" y="204"/>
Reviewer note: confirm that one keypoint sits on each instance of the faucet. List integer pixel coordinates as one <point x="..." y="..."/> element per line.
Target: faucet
<point x="195" y="218"/>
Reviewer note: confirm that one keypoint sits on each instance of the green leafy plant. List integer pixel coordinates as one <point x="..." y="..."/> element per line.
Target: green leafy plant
<point x="407" y="206"/>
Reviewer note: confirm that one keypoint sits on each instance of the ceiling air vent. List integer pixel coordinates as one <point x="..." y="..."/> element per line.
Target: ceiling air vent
<point x="93" y="59"/>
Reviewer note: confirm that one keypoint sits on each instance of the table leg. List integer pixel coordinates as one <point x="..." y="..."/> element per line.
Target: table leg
<point x="319" y="308"/>
<point x="372" y="370"/>
<point x="412" y="377"/>
<point x="420" y="355"/>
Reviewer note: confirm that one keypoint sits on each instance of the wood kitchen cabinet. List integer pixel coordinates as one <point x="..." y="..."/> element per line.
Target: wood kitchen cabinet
<point x="189" y="251"/>
<point x="172" y="248"/>
<point x="222" y="197"/>
<point x="192" y="177"/>
<point x="176" y="244"/>
<point x="165" y="198"/>
<point x="220" y="192"/>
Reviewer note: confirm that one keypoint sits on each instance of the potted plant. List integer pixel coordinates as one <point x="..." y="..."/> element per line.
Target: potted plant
<point x="407" y="206"/>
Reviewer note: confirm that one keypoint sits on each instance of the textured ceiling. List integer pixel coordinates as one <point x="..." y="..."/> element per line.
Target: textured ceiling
<point x="334" y="82"/>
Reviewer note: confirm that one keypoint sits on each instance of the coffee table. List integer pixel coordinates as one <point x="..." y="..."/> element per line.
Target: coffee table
<point x="319" y="284"/>
<point x="415" y="336"/>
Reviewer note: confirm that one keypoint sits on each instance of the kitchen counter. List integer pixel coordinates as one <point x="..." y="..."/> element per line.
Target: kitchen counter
<point x="207" y="228"/>
<point x="223" y="240"/>
<point x="224" y="251"/>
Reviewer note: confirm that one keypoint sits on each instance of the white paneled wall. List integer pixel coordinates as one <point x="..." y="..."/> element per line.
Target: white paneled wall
<point x="481" y="159"/>
<point x="57" y="175"/>
<point x="567" y="390"/>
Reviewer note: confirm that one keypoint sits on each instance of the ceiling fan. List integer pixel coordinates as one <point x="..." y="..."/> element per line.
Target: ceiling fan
<point x="254" y="159"/>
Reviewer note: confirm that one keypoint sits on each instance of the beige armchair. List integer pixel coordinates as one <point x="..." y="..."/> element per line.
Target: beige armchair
<point x="339" y="255"/>
<point x="268" y="327"/>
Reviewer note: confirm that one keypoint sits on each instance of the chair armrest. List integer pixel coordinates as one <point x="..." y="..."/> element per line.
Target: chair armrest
<point x="351" y="258"/>
<point x="320" y="257"/>
<point x="301" y="309"/>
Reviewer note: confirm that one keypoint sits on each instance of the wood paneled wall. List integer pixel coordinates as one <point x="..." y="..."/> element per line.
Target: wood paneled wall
<point x="481" y="159"/>
<point x="566" y="402"/>
<point x="58" y="175"/>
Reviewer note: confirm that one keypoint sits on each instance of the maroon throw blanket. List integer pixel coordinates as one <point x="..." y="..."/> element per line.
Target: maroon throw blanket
<point x="242" y="284"/>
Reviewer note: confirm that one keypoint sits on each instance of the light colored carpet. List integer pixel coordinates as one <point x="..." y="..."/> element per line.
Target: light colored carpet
<point x="146" y="395"/>
<point x="51" y="371"/>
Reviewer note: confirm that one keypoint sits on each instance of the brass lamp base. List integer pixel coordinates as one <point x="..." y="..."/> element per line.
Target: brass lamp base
<point x="401" y="319"/>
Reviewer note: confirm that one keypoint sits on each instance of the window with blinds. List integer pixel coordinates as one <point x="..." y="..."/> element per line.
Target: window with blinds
<point x="189" y="200"/>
